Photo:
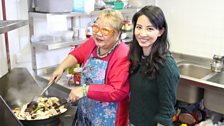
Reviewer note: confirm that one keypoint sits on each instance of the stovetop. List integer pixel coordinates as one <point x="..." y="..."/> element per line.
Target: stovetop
<point x="18" y="87"/>
<point x="67" y="118"/>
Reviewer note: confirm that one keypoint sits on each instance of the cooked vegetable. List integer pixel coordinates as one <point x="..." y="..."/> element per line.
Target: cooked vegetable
<point x="42" y="109"/>
<point x="31" y="106"/>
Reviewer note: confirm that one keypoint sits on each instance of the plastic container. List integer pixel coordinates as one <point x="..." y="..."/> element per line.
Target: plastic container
<point x="83" y="5"/>
<point x="68" y="35"/>
<point x="117" y="5"/>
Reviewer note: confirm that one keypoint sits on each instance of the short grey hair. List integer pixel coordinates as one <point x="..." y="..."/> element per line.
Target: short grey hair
<point x="114" y="17"/>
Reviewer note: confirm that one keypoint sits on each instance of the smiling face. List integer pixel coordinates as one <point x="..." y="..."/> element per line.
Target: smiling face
<point x="146" y="34"/>
<point x="108" y="28"/>
<point x="102" y="40"/>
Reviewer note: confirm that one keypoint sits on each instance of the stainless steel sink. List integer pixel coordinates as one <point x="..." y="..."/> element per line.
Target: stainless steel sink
<point x="196" y="82"/>
<point x="214" y="97"/>
<point x="214" y="100"/>
<point x="189" y="93"/>
<point x="217" y="78"/>
<point x="193" y="70"/>
<point x="186" y="90"/>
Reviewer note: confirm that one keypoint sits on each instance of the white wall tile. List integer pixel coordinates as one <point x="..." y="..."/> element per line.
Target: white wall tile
<point x="47" y="58"/>
<point x="195" y="26"/>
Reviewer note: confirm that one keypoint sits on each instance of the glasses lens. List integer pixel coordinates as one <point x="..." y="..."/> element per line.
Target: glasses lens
<point x="105" y="31"/>
<point x="95" y="28"/>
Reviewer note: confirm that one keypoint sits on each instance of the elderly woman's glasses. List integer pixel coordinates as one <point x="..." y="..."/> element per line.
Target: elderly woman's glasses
<point x="104" y="31"/>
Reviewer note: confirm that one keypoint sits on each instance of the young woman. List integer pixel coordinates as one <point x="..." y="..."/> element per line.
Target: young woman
<point x="153" y="73"/>
<point x="104" y="94"/>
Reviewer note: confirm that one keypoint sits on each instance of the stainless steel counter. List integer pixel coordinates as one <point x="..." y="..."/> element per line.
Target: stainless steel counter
<point x="9" y="25"/>
<point x="64" y="81"/>
<point x="18" y="87"/>
<point x="209" y="86"/>
<point x="203" y="83"/>
<point x="201" y="61"/>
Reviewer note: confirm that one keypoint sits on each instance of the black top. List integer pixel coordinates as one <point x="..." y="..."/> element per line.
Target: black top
<point x="153" y="100"/>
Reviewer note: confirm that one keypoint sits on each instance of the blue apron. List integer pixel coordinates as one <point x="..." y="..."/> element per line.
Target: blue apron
<point x="92" y="112"/>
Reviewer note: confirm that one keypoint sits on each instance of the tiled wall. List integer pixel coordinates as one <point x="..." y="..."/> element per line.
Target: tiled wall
<point x="196" y="27"/>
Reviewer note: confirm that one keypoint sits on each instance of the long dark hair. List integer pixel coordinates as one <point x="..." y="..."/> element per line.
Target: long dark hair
<point x="159" y="49"/>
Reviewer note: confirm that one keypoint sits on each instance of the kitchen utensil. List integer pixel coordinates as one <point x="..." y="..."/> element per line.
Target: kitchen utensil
<point x="64" y="102"/>
<point x="46" y="88"/>
<point x="52" y="120"/>
<point x="187" y="118"/>
<point x="36" y="97"/>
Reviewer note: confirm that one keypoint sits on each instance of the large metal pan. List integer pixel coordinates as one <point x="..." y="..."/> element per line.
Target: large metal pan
<point x="18" y="87"/>
<point x="51" y="121"/>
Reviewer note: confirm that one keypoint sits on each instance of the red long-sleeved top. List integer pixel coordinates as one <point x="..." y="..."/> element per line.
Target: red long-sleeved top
<point x="116" y="87"/>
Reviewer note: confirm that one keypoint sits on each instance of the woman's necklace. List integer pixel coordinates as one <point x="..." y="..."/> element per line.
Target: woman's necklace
<point x="106" y="54"/>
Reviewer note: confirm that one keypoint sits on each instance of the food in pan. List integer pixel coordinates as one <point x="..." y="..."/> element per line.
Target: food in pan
<point x="43" y="108"/>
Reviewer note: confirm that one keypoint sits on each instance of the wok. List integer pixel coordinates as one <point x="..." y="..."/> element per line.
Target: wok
<point x="18" y="87"/>
<point x="51" y="121"/>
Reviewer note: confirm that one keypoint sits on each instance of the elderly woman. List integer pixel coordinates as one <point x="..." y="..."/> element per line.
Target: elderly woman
<point x="103" y="94"/>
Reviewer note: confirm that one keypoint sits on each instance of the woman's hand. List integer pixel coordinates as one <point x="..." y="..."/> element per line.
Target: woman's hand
<point x="56" y="75"/>
<point x="76" y="94"/>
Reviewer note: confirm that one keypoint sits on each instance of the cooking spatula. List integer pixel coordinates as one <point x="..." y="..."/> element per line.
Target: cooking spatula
<point x="46" y="88"/>
<point x="35" y="97"/>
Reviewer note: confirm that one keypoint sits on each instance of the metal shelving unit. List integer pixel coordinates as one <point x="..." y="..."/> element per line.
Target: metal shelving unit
<point x="9" y="25"/>
<point x="76" y="14"/>
<point x="51" y="45"/>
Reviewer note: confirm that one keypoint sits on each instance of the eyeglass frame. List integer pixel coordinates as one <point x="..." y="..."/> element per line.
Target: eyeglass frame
<point x="100" y="29"/>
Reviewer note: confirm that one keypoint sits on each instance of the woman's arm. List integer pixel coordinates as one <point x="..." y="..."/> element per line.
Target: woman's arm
<point x="69" y="61"/>
<point x="167" y="81"/>
<point x="75" y="56"/>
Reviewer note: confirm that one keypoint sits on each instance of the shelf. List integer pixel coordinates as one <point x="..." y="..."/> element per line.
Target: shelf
<point x="73" y="14"/>
<point x="50" y="45"/>
<point x="36" y="20"/>
<point x="9" y="25"/>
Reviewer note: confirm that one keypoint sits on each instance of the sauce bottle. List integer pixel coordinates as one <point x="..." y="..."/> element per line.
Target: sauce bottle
<point x="70" y="70"/>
